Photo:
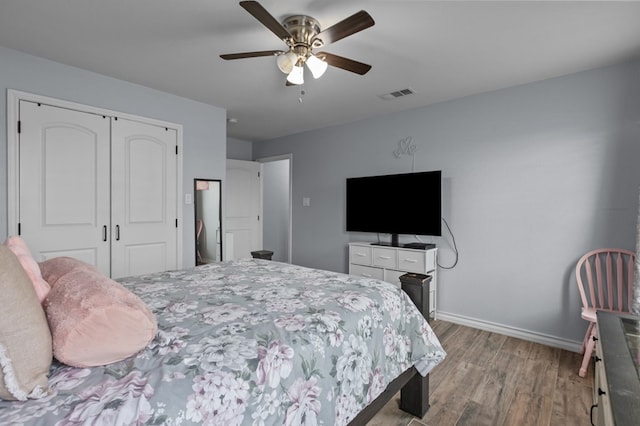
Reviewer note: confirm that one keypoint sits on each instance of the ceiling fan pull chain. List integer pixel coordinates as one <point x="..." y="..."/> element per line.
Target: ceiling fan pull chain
<point x="302" y="92"/>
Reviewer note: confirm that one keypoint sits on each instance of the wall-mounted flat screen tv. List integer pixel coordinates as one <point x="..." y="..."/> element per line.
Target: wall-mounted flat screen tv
<point x="408" y="203"/>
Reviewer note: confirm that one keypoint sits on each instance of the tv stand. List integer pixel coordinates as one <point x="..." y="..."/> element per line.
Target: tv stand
<point x="387" y="263"/>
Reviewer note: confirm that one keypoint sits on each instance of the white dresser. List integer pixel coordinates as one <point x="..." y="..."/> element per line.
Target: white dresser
<point x="389" y="263"/>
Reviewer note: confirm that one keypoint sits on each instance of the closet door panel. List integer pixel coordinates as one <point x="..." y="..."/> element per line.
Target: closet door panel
<point x="145" y="162"/>
<point x="64" y="183"/>
<point x="144" y="204"/>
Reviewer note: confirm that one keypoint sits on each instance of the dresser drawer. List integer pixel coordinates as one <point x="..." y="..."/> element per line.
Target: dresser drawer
<point x="367" y="272"/>
<point x="360" y="255"/>
<point x="385" y="257"/>
<point x="393" y="277"/>
<point x="412" y="261"/>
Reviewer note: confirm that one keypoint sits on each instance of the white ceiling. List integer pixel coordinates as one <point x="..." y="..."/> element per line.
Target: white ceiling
<point x="441" y="49"/>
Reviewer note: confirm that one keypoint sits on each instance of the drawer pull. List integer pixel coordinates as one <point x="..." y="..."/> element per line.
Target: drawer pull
<point x="598" y="358"/>
<point x="411" y="261"/>
<point x="601" y="392"/>
<point x="591" y="413"/>
<point x="366" y="275"/>
<point x="361" y="255"/>
<point x="384" y="257"/>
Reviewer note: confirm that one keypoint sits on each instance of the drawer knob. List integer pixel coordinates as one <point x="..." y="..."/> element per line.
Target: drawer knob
<point x="601" y="392"/>
<point x="598" y="358"/>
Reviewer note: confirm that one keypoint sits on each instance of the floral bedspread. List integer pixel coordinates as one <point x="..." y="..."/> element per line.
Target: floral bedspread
<point x="250" y="342"/>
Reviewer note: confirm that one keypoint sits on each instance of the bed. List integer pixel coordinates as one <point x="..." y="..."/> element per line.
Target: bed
<point x="252" y="342"/>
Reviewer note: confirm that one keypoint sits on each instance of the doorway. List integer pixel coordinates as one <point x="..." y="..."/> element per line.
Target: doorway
<point x="276" y="187"/>
<point x="208" y="219"/>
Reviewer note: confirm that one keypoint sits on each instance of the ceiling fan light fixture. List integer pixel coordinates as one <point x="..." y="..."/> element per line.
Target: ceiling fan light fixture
<point x="316" y="65"/>
<point x="297" y="75"/>
<point x="286" y="61"/>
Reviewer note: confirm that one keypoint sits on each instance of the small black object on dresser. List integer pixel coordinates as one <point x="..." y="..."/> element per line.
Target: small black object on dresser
<point x="262" y="254"/>
<point x="419" y="246"/>
<point x="417" y="287"/>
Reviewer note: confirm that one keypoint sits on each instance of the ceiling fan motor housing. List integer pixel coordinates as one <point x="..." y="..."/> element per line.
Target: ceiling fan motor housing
<point x="303" y="28"/>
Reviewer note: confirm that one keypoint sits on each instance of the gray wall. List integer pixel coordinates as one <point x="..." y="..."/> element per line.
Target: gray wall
<point x="534" y="176"/>
<point x="204" y="126"/>
<point x="238" y="149"/>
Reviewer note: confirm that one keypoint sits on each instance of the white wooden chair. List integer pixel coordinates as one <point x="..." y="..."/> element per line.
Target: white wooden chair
<point x="605" y="282"/>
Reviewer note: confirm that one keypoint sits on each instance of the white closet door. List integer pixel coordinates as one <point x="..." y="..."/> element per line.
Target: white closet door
<point x="144" y="205"/>
<point x="64" y="183"/>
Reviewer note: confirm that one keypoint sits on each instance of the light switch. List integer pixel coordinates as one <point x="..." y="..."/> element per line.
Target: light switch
<point x="306" y="201"/>
<point x="188" y="198"/>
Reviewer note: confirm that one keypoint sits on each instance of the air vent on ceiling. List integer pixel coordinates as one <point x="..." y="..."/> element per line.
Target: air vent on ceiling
<point x="397" y="94"/>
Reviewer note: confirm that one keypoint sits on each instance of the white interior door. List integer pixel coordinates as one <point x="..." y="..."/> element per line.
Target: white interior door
<point x="144" y="198"/>
<point x="64" y="183"/>
<point x="243" y="232"/>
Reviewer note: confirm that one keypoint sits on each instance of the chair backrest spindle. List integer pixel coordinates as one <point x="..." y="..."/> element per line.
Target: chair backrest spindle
<point x="599" y="282"/>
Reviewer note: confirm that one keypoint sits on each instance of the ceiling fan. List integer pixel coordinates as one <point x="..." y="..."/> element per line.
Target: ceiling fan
<point x="302" y="34"/>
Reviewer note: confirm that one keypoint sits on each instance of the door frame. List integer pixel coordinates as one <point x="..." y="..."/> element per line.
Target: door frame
<point x="13" y="160"/>
<point x="290" y="218"/>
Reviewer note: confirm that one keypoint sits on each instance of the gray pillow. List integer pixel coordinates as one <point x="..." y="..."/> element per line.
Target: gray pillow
<point x="25" y="340"/>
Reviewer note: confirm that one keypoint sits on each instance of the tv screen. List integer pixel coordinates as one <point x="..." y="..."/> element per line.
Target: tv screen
<point x="408" y="203"/>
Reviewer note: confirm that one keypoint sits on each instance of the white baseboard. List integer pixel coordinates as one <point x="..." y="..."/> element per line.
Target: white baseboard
<point x="531" y="336"/>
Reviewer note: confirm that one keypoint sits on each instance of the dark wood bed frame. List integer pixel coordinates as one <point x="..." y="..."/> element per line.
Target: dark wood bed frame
<point x="414" y="389"/>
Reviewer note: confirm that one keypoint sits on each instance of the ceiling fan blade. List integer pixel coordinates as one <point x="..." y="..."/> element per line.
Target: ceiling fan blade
<point x="344" y="63"/>
<point x="357" y="22"/>
<point x="229" y="56"/>
<point x="266" y="19"/>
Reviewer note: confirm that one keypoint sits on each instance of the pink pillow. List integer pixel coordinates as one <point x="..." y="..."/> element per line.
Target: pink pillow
<point x="56" y="267"/>
<point x="94" y="320"/>
<point x="30" y="266"/>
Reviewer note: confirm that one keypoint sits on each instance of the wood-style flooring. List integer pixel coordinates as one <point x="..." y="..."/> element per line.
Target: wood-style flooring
<point x="488" y="379"/>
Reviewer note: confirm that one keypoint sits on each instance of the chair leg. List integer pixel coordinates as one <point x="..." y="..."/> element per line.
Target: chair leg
<point x="587" y="336"/>
<point x="587" y="353"/>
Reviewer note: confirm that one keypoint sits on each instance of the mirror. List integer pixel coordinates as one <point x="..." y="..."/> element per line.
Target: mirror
<point x="208" y="216"/>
